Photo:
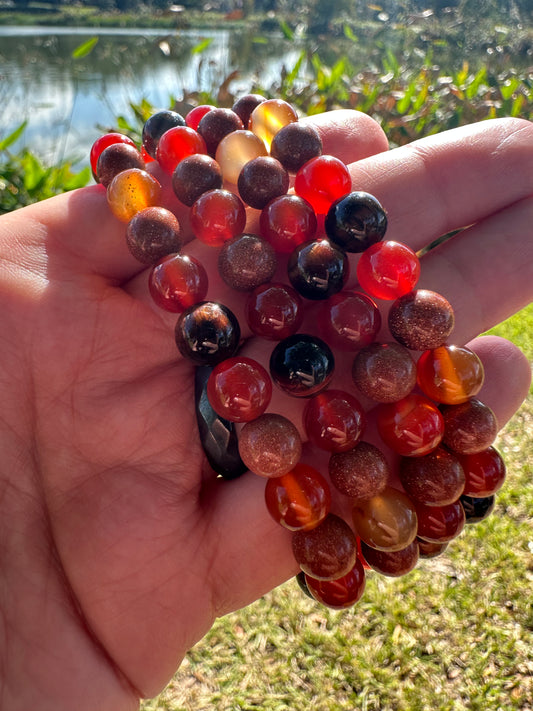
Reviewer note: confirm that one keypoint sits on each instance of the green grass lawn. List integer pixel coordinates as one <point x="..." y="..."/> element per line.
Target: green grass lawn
<point x="456" y="633"/>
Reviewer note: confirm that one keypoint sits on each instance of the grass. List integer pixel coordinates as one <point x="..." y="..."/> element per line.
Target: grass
<point x="455" y="634"/>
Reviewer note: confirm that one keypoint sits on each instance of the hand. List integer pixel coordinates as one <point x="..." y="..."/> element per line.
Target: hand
<point x="118" y="550"/>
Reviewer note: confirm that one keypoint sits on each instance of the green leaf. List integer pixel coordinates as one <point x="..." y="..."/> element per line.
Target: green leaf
<point x="85" y="48"/>
<point x="34" y="172"/>
<point x="14" y="136"/>
<point x="204" y="44"/>
<point x="349" y="33"/>
<point x="287" y="32"/>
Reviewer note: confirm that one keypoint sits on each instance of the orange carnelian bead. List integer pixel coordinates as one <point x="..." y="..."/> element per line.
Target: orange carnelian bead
<point x="131" y="191"/>
<point x="450" y="374"/>
<point x="235" y="150"/>
<point x="387" y="521"/>
<point x="269" y="117"/>
<point x="341" y="593"/>
<point x="412" y="426"/>
<point x="239" y="389"/>
<point x="298" y="500"/>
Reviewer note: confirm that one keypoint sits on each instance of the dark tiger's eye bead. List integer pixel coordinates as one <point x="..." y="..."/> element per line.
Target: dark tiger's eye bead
<point x="302" y="365"/>
<point x="207" y="333"/>
<point x="356" y="221"/>
<point x="318" y="269"/>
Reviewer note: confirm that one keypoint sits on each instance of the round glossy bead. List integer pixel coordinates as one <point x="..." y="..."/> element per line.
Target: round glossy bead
<point x="207" y="333"/>
<point x="412" y="426"/>
<point x="426" y="549"/>
<point x="103" y="142"/>
<point x="387" y="521"/>
<point x="131" y="191"/>
<point x="153" y="233"/>
<point x="341" y="593"/>
<point x="235" y="150"/>
<point x="302" y="584"/>
<point x="274" y="311"/>
<point x="450" y="374"/>
<point x="239" y="389"/>
<point x="392" y="564"/>
<point x="269" y="117"/>
<point x="470" y="427"/>
<point x="246" y="261"/>
<point x="261" y="180"/>
<point x="349" y="320"/>
<point x="388" y="270"/>
<point x="435" y="479"/>
<point x="355" y="221"/>
<point x="484" y="472"/>
<point x="477" y="508"/>
<point x="384" y="372"/>
<point x="302" y="365"/>
<point x="318" y="269"/>
<point x="217" y="216"/>
<point x="158" y="124"/>
<point x="334" y="420"/>
<point x="244" y="106"/>
<point x="194" y="176"/>
<point x="287" y="222"/>
<point x="216" y="124"/>
<point x="440" y="524"/>
<point x="299" y="499"/>
<point x="194" y="116"/>
<point x="321" y="181"/>
<point x="177" y="282"/>
<point x="421" y="320"/>
<point x="295" y="144"/>
<point x="270" y="445"/>
<point x="176" y="144"/>
<point x="360" y="473"/>
<point x="116" y="158"/>
<point x="328" y="551"/>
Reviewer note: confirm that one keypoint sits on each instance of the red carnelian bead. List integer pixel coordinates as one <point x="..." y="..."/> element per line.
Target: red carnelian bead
<point x="270" y="445"/>
<point x="440" y="524"/>
<point x="388" y="270"/>
<point x="450" y="374"/>
<point x="298" y="500"/>
<point x="412" y="426"/>
<point x="341" y="593"/>
<point x="274" y="311"/>
<point x="176" y="144"/>
<point x="484" y="472"/>
<point x="239" y="389"/>
<point x="393" y="564"/>
<point x="387" y="521"/>
<point x="384" y="372"/>
<point x="288" y="221"/>
<point x="334" y="420"/>
<point x="349" y="320"/>
<point x="321" y="181"/>
<point x="470" y="427"/>
<point x="217" y="216"/>
<point x="427" y="549"/>
<point x="102" y="143"/>
<point x="328" y="551"/>
<point x="435" y="479"/>
<point x="177" y="282"/>
<point x="132" y="191"/>
<point x="193" y="118"/>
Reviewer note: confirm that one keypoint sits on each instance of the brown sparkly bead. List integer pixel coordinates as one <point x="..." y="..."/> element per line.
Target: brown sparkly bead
<point x="435" y="479"/>
<point x="384" y="372"/>
<point x="427" y="549"/>
<point x="216" y="124"/>
<point x="261" y="180"/>
<point x="194" y="176"/>
<point x="421" y="320"/>
<point x="246" y="261"/>
<point x="360" y="473"/>
<point x="152" y="234"/>
<point x="393" y="564"/>
<point x="244" y="106"/>
<point x="295" y="144"/>
<point x="387" y="521"/>
<point x="116" y="158"/>
<point x="270" y="445"/>
<point x="328" y="551"/>
<point x="469" y="427"/>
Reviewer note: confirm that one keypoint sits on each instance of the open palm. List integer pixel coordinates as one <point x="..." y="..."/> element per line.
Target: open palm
<point x="118" y="546"/>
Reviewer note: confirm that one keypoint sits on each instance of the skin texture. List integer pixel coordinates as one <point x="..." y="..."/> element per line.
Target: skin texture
<point x="117" y="548"/>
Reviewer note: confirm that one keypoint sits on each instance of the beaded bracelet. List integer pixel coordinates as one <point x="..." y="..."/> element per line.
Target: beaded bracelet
<point x="421" y="389"/>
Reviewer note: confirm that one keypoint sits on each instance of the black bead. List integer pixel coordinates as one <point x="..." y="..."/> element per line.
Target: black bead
<point x="302" y="584"/>
<point x="356" y="221"/>
<point x="477" y="508"/>
<point x="302" y="365"/>
<point x="155" y="126"/>
<point x="207" y="333"/>
<point x="318" y="269"/>
<point x="217" y="435"/>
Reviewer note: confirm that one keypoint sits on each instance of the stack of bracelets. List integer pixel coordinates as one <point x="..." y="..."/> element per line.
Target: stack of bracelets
<point x="421" y="390"/>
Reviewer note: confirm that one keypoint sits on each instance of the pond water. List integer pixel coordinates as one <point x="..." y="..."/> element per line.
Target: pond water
<point x="66" y="100"/>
